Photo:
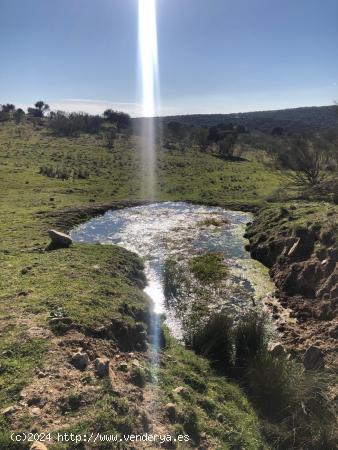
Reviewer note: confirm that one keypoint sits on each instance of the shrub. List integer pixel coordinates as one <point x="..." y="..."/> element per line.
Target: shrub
<point x="208" y="268"/>
<point x="271" y="384"/>
<point x="64" y="124"/>
<point x="173" y="280"/>
<point x="250" y="340"/>
<point x="190" y="422"/>
<point x="71" y="403"/>
<point x="138" y="377"/>
<point x="292" y="402"/>
<point x="214" y="340"/>
<point x="63" y="173"/>
<point x="213" y="221"/>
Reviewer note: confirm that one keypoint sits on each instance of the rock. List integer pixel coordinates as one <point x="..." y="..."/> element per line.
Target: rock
<point x="170" y="409"/>
<point x="36" y="411"/>
<point x="181" y="390"/>
<point x="146" y="421"/>
<point x="64" y="320"/>
<point x="59" y="240"/>
<point x="25" y="270"/>
<point x="80" y="360"/>
<point x="41" y="374"/>
<point x="123" y="367"/>
<point x="276" y="349"/>
<point x="38" y="446"/>
<point x="220" y="417"/>
<point x="34" y="400"/>
<point x="8" y="411"/>
<point x="333" y="331"/>
<point x="101" y="366"/>
<point x="294" y="248"/>
<point x="313" y="358"/>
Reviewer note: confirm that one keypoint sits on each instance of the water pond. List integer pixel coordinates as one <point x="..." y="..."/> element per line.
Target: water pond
<point x="180" y="231"/>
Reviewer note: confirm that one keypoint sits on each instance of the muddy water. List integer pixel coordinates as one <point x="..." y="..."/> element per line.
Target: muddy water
<point x="179" y="230"/>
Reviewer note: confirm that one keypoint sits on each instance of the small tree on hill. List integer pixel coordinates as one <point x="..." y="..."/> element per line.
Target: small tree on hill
<point x="201" y="138"/>
<point x="226" y="146"/>
<point x="9" y="108"/>
<point x="42" y="107"/>
<point x="110" y="135"/>
<point x="39" y="109"/>
<point x="306" y="159"/>
<point x="6" y="112"/>
<point x="121" y="119"/>
<point x="19" y="115"/>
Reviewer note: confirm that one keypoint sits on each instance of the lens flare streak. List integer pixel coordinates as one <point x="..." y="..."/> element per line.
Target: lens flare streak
<point x="147" y="29"/>
<point x="148" y="54"/>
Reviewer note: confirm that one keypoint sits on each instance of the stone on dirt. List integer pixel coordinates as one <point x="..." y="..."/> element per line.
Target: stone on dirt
<point x="123" y="367"/>
<point x="101" y="366"/>
<point x="38" y="446"/>
<point x="8" y="411"/>
<point x="80" y="360"/>
<point x="276" y="349"/>
<point x="181" y="390"/>
<point x="170" y="409"/>
<point x="313" y="358"/>
<point x="59" y="240"/>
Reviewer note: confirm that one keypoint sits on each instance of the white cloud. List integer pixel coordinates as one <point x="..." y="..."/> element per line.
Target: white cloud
<point x="94" y="106"/>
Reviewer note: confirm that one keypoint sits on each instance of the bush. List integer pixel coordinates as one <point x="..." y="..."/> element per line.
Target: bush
<point x="173" y="280"/>
<point x="250" y="340"/>
<point x="208" y="268"/>
<point x="64" y="124"/>
<point x="63" y="173"/>
<point x="272" y="384"/>
<point x="292" y="402"/>
<point x="138" y="377"/>
<point x="190" y="422"/>
<point x="214" y="340"/>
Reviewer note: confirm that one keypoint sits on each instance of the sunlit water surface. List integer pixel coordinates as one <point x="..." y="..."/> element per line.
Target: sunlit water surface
<point x="160" y="230"/>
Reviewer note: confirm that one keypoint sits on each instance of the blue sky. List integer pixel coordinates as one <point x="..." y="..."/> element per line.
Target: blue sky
<point x="214" y="55"/>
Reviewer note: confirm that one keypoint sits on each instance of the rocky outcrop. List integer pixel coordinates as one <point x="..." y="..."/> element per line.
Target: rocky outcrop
<point x="299" y="244"/>
<point x="303" y="260"/>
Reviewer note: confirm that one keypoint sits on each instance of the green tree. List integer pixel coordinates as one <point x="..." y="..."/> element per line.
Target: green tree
<point x="6" y="112"/>
<point x="121" y="119"/>
<point x="201" y="138"/>
<point x="306" y="159"/>
<point x="226" y="146"/>
<point x="19" y="115"/>
<point x="39" y="109"/>
<point x="8" y="108"/>
<point x="110" y="135"/>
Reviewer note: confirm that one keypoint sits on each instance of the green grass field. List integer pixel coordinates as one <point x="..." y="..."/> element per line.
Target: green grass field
<point x="91" y="285"/>
<point x="86" y="288"/>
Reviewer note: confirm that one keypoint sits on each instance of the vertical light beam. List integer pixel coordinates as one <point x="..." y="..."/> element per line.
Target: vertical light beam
<point x="147" y="29"/>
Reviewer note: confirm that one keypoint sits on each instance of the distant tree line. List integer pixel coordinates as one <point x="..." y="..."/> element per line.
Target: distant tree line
<point x="218" y="139"/>
<point x="69" y="124"/>
<point x="9" y="112"/>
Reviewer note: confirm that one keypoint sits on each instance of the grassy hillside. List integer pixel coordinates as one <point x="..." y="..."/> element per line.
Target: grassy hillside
<point x="292" y="119"/>
<point x="90" y="297"/>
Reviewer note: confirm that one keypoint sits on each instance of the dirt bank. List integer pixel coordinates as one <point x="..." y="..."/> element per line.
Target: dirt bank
<point x="299" y="245"/>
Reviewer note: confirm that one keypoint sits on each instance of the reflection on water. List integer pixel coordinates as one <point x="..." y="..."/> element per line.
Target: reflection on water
<point x="179" y="229"/>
